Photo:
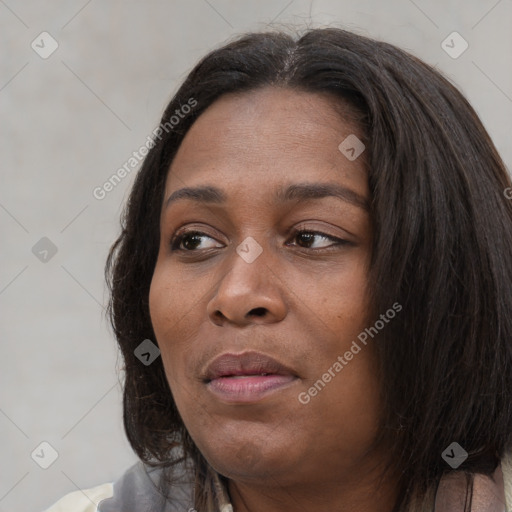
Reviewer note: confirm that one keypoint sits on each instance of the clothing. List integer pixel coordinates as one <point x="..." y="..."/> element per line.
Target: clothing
<point x="136" y="491"/>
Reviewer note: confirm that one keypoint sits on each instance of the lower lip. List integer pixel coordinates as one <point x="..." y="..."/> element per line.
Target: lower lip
<point x="248" y="389"/>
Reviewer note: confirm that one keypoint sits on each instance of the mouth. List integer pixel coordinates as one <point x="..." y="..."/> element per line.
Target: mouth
<point x="246" y="377"/>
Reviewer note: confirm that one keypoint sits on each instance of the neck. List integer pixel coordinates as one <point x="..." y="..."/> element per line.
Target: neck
<point x="348" y="494"/>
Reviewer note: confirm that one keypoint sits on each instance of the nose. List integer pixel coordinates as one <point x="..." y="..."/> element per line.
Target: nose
<point x="248" y="293"/>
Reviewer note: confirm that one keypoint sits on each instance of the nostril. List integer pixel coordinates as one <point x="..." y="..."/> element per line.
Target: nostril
<point x="258" y="311"/>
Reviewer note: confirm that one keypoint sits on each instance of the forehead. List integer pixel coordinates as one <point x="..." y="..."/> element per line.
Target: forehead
<point x="271" y="135"/>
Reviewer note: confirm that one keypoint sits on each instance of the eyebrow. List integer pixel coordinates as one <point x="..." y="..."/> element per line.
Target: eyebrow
<point x="297" y="191"/>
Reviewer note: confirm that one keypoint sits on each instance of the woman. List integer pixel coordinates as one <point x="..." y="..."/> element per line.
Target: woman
<point x="317" y="246"/>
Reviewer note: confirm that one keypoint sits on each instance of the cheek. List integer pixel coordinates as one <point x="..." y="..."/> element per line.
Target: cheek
<point x="166" y="311"/>
<point x="171" y="300"/>
<point x="339" y="304"/>
<point x="345" y="407"/>
<point x="175" y="306"/>
<point x="161" y="307"/>
<point x="350" y="400"/>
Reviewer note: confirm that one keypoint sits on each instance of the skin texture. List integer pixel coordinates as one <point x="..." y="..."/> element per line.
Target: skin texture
<point x="297" y="302"/>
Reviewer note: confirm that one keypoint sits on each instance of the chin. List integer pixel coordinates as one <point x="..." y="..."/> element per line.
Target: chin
<point x="244" y="454"/>
<point x="252" y="467"/>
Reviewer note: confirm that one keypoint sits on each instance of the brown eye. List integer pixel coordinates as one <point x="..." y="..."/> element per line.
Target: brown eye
<point x="308" y="237"/>
<point x="190" y="240"/>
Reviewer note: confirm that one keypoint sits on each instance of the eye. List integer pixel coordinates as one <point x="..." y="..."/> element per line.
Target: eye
<point x="190" y="240"/>
<point x="308" y="237"/>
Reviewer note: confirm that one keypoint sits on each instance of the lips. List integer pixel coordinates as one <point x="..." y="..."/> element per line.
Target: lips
<point x="246" y="377"/>
<point x="247" y="363"/>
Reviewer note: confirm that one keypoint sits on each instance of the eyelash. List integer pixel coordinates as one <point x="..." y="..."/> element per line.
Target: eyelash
<point x="177" y="239"/>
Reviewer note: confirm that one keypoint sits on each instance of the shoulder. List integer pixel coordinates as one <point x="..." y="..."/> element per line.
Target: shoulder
<point x="86" y="500"/>
<point x="490" y="492"/>
<point x="139" y="488"/>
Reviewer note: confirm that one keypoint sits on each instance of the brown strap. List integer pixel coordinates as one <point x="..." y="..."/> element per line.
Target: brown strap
<point x="488" y="494"/>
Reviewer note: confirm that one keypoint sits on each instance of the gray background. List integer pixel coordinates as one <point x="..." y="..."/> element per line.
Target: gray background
<point x="70" y="121"/>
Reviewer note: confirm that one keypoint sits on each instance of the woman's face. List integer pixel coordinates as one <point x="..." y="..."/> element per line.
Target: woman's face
<point x="248" y="288"/>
